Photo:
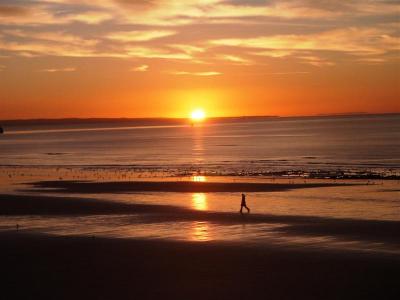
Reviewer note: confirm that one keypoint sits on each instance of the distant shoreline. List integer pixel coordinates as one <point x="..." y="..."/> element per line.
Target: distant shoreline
<point x="175" y="121"/>
<point x="82" y="187"/>
<point x="182" y="172"/>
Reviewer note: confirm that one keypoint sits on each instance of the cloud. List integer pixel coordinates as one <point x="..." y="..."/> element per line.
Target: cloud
<point x="146" y="52"/>
<point x="69" y="69"/>
<point x="142" y="68"/>
<point x="35" y="48"/>
<point x="317" y="61"/>
<point x="189" y="49"/>
<point x="174" y="13"/>
<point x="235" y="59"/>
<point x="54" y="43"/>
<point x="372" y="60"/>
<point x="277" y="9"/>
<point x="31" y="44"/>
<point x="180" y="13"/>
<point x="319" y="8"/>
<point x="139" y="36"/>
<point x="201" y="31"/>
<point x="34" y="14"/>
<point x="290" y="73"/>
<point x="356" y="40"/>
<point x="52" y="36"/>
<point x="11" y="11"/>
<point x="23" y="15"/>
<point x="91" y="17"/>
<point x="58" y="43"/>
<point x="208" y="73"/>
<point x="32" y="49"/>
<point x="372" y="7"/>
<point x="274" y="53"/>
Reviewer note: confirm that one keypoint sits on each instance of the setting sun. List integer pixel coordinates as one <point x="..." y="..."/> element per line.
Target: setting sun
<point x="198" y="115"/>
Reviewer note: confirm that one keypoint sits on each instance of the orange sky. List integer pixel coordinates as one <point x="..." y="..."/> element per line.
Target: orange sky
<point x="113" y="58"/>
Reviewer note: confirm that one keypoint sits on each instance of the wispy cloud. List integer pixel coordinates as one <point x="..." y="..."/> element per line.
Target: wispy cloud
<point x="139" y="36"/>
<point x="290" y="73"/>
<point x="189" y="49"/>
<point x="235" y="59"/>
<point x="51" y="36"/>
<point x="274" y="53"/>
<point x="146" y="52"/>
<point x="68" y="69"/>
<point x="37" y="13"/>
<point x="202" y="31"/>
<point x="13" y="10"/>
<point x="208" y="73"/>
<point x="141" y="68"/>
<point x="180" y="13"/>
<point x="70" y="46"/>
<point x="91" y="17"/>
<point x="356" y="40"/>
<point x="37" y="48"/>
<point x="371" y="60"/>
<point x="317" y="61"/>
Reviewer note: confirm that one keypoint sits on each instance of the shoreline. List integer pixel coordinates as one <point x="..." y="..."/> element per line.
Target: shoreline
<point x="71" y="186"/>
<point x="362" y="265"/>
<point x="172" y="171"/>
<point x="290" y="226"/>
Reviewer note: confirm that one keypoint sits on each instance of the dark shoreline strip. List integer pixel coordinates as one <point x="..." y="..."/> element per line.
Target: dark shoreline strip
<point x="49" y="205"/>
<point x="171" y="186"/>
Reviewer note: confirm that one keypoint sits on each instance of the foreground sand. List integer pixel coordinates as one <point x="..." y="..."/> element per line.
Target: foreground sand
<point x="39" y="266"/>
<point x="373" y="231"/>
<point x="42" y="267"/>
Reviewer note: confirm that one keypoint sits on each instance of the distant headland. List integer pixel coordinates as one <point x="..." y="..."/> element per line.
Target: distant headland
<point x="169" y="121"/>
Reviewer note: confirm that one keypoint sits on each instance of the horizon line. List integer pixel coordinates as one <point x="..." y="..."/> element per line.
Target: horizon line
<point x="207" y="118"/>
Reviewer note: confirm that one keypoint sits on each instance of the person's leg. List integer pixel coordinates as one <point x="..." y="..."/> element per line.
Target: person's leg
<point x="248" y="209"/>
<point x="241" y="209"/>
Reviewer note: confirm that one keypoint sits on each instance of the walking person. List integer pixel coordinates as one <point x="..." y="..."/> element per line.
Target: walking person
<point x="243" y="204"/>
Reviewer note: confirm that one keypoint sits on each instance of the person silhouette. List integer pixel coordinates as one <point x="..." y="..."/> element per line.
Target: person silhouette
<point x="243" y="204"/>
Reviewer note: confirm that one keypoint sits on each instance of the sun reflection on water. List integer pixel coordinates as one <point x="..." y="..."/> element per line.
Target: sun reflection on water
<point x="199" y="178"/>
<point x="199" y="201"/>
<point x="200" y="232"/>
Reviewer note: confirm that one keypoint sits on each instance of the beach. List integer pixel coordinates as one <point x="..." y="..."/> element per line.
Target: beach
<point x="86" y="220"/>
<point x="359" y="261"/>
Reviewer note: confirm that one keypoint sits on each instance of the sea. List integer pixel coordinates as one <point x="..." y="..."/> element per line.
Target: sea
<point x="362" y="150"/>
<point x="338" y="146"/>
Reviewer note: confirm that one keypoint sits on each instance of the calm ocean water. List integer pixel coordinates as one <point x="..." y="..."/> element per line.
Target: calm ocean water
<point x="353" y="145"/>
<point x="358" y="143"/>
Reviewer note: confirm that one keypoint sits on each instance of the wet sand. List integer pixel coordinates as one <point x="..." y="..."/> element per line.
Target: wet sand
<point x="376" y="231"/>
<point x="43" y="267"/>
<point x="39" y="266"/>
<point x="50" y="205"/>
<point x="67" y="186"/>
